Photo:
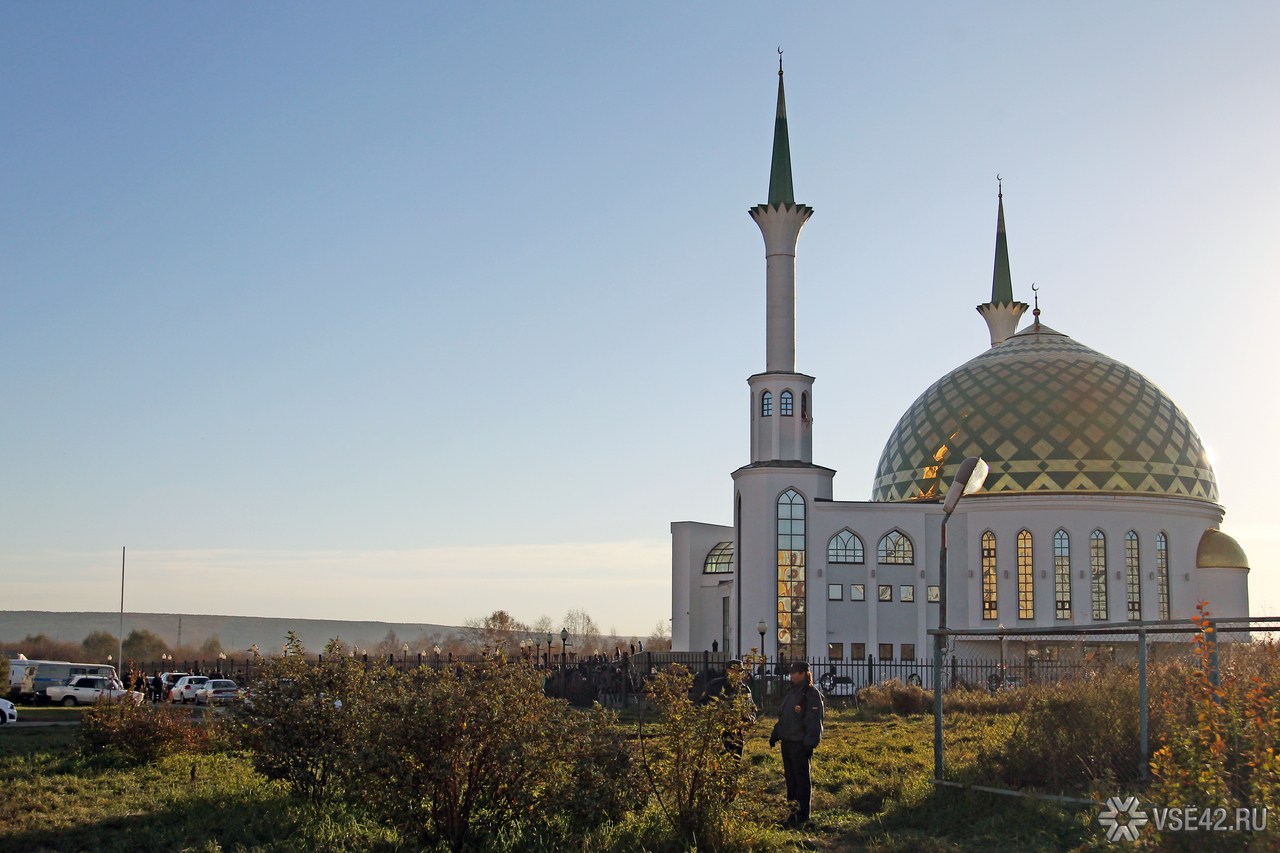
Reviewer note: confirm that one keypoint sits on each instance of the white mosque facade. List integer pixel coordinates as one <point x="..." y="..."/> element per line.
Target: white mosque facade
<point x="1101" y="505"/>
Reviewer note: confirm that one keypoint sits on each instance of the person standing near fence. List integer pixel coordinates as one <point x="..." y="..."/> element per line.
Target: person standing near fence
<point x="799" y="728"/>
<point x="728" y="688"/>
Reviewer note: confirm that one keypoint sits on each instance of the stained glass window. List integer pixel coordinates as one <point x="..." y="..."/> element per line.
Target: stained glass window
<point x="791" y="575"/>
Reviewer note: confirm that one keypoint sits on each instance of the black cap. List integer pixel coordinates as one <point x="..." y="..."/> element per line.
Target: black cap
<point x="734" y="662"/>
<point x="800" y="666"/>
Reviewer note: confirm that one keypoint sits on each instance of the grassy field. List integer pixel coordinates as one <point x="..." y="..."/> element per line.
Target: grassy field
<point x="871" y="793"/>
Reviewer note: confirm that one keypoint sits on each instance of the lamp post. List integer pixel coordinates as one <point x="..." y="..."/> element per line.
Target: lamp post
<point x="437" y="651"/>
<point x="564" y="661"/>
<point x="404" y="667"/>
<point x="968" y="479"/>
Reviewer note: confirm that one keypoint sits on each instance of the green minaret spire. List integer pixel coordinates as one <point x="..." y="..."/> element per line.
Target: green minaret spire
<point x="781" y="192"/>
<point x="1001" y="282"/>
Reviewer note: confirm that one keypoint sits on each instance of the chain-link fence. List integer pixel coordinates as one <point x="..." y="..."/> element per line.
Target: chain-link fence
<point x="1072" y="712"/>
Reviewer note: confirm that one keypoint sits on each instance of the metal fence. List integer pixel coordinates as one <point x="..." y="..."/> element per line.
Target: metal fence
<point x="1068" y="713"/>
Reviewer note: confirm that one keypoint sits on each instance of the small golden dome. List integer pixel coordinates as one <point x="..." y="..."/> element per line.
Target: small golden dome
<point x="1217" y="550"/>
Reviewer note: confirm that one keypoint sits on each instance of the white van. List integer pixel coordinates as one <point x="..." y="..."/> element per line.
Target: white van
<point x="29" y="679"/>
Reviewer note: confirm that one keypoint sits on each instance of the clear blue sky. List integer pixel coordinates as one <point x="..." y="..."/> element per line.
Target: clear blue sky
<point x="411" y="311"/>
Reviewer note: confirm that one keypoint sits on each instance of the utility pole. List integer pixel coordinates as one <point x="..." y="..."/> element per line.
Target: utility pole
<point x="120" y="650"/>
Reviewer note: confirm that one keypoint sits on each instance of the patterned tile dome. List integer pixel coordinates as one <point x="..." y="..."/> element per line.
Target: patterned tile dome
<point x="1050" y="415"/>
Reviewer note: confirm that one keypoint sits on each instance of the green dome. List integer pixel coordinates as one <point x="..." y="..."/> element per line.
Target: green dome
<point x="1049" y="415"/>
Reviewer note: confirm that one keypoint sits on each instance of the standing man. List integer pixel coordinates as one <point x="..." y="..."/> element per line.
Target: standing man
<point x="799" y="727"/>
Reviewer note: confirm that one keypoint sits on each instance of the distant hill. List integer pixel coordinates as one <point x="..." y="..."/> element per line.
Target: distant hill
<point x="235" y="632"/>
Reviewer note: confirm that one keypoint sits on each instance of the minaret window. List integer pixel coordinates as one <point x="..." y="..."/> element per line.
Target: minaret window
<point x="1026" y="577"/>
<point x="1162" y="573"/>
<point x="804" y="405"/>
<point x="1061" y="575"/>
<point x="1133" y="576"/>
<point x="896" y="549"/>
<point x="766" y="404"/>
<point x="791" y="575"/>
<point x="1098" y="567"/>
<point x="784" y="404"/>
<point x="845" y="547"/>
<point x="990" y="610"/>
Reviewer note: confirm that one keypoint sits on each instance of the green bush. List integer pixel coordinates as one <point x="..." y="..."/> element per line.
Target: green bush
<point x="123" y="732"/>
<point x="700" y="788"/>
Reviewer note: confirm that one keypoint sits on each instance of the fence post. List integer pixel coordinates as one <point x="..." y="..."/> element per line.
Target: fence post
<point x="938" y="641"/>
<point x="871" y="670"/>
<point x="953" y="670"/>
<point x="1144" y="765"/>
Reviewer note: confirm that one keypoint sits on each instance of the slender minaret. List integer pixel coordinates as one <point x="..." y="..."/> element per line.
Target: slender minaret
<point x="1002" y="313"/>
<point x="782" y="400"/>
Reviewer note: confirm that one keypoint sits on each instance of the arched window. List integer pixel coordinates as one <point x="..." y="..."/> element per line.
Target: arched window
<point x="990" y="610"/>
<point x="1026" y="577"/>
<point x="719" y="559"/>
<point x="1061" y="575"/>
<point x="784" y="404"/>
<point x="1098" y="568"/>
<point x="804" y="405"/>
<point x="766" y="404"/>
<point x="791" y="549"/>
<point x="896" y="549"/>
<point x="1162" y="573"/>
<point x="844" y="547"/>
<point x="1132" y="576"/>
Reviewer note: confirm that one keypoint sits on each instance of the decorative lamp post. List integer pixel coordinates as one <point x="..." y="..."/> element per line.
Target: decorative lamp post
<point x="437" y="651"/>
<point x="969" y="477"/>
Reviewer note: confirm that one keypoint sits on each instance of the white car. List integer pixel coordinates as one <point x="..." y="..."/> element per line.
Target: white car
<point x="87" y="689"/>
<point x="8" y="713"/>
<point x="184" y="690"/>
<point x="217" y="691"/>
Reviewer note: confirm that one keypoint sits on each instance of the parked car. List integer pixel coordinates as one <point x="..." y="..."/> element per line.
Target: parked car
<point x="836" y="685"/>
<point x="184" y="689"/>
<point x="8" y="712"/>
<point x="168" y="679"/>
<point x="217" y="691"/>
<point x="30" y="679"/>
<point x="87" y="689"/>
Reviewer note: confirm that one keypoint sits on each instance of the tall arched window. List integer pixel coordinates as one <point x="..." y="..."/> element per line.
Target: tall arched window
<point x="1098" y="568"/>
<point x="845" y="547"/>
<point x="791" y="610"/>
<point x="1026" y="577"/>
<point x="766" y="404"/>
<point x="1061" y="575"/>
<point x="896" y="549"/>
<point x="1132" y="576"/>
<point x="804" y="405"/>
<point x="1162" y="573"/>
<point x="784" y="404"/>
<point x="990" y="609"/>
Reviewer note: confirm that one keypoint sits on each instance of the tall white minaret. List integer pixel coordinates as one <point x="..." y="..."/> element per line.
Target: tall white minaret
<point x="781" y="399"/>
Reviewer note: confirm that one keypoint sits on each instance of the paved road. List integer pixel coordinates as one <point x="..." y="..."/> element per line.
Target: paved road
<point x="34" y="724"/>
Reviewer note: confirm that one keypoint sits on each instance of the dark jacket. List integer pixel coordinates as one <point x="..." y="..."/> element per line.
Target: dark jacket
<point x="802" y="726"/>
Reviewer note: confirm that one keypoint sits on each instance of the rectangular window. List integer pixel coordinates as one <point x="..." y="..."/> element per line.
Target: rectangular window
<point x="908" y="651"/>
<point x="835" y="651"/>
<point x="906" y="592"/>
<point x="933" y="593"/>
<point x="886" y="651"/>
<point x="886" y="592"/>
<point x="857" y="592"/>
<point x="1162" y="573"/>
<point x="1098" y="568"/>
<point x="835" y="592"/>
<point x="858" y="651"/>
<point x="1026" y="577"/>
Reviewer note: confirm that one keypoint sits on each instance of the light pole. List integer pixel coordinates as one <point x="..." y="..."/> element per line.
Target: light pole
<point x="404" y="667"/>
<point x="437" y="651"/>
<point x="564" y="661"/>
<point x="968" y="479"/>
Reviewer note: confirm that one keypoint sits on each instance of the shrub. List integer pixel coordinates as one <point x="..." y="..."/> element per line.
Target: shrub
<point x="697" y="784"/>
<point x="300" y="722"/>
<point x="137" y="734"/>
<point x="895" y="697"/>
<point x="476" y="756"/>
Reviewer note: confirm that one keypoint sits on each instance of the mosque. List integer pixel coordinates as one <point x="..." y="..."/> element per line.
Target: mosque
<point x="1101" y="505"/>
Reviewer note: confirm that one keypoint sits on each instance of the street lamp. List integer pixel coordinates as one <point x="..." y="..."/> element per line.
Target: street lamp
<point x="405" y="651"/>
<point x="437" y="651"/>
<point x="969" y="477"/>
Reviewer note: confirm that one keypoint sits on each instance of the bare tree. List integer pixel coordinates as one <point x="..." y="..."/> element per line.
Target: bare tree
<point x="584" y="633"/>
<point x="660" y="638"/>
